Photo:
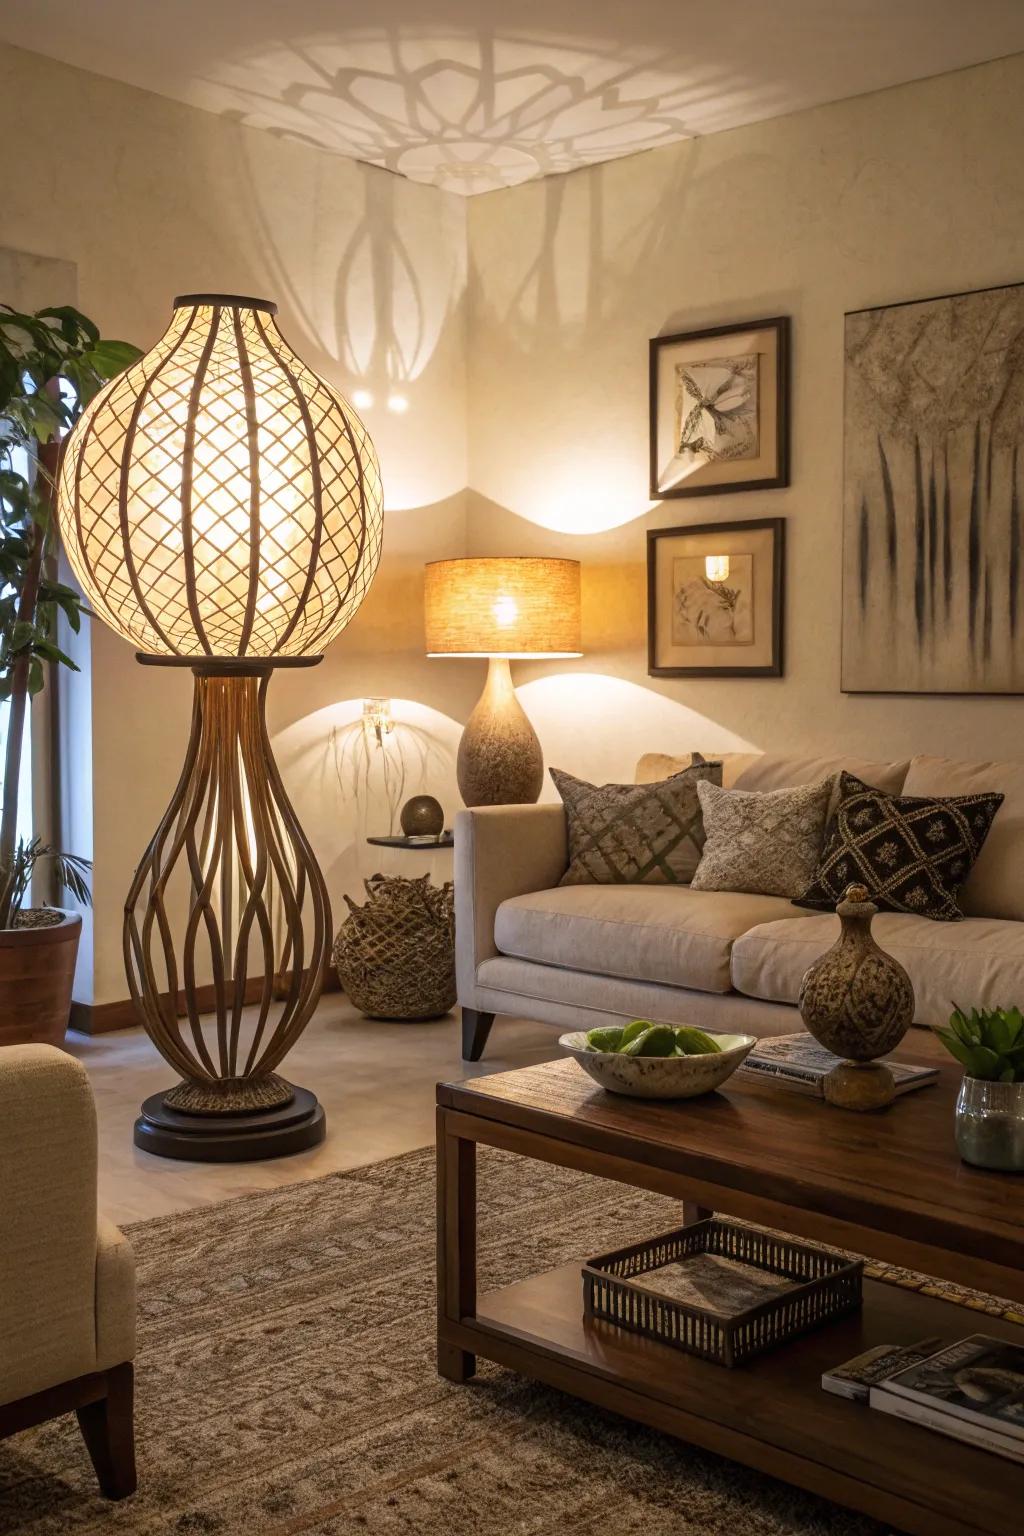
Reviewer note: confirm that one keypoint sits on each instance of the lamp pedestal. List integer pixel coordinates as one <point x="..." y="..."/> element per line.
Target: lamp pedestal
<point x="500" y="761"/>
<point x="230" y="868"/>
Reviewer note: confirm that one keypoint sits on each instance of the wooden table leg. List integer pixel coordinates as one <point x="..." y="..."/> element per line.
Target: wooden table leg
<point x="692" y="1213"/>
<point x="456" y="1246"/>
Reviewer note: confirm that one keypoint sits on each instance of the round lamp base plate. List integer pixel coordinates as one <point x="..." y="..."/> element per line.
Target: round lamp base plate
<point x="231" y="1138"/>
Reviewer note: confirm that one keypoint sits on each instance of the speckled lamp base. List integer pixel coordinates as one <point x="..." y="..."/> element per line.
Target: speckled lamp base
<point x="500" y="761"/>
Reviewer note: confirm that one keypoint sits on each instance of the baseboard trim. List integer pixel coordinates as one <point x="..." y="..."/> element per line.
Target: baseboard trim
<point x="105" y="1018"/>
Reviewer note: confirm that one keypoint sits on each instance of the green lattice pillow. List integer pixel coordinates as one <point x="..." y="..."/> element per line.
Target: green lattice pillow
<point x="634" y="834"/>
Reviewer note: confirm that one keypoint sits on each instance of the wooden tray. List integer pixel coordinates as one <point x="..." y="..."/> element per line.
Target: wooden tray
<point x="721" y="1291"/>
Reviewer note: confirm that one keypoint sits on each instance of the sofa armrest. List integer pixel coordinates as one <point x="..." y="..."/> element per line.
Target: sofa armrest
<point x="47" y="1220"/>
<point x="500" y="851"/>
<point x="115" y="1297"/>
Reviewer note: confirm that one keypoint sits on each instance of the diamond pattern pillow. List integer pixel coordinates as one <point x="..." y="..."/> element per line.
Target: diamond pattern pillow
<point x="767" y="843"/>
<point x="913" y="853"/>
<point x="634" y="834"/>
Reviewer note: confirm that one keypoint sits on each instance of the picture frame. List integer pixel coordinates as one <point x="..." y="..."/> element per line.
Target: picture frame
<point x="933" y="496"/>
<point x="715" y="598"/>
<point x="699" y="448"/>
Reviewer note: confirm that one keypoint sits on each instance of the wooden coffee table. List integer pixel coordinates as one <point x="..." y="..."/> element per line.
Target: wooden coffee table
<point x="889" y="1186"/>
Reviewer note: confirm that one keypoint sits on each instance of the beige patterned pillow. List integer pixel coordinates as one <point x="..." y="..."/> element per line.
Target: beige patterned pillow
<point x="634" y="834"/>
<point x="767" y="843"/>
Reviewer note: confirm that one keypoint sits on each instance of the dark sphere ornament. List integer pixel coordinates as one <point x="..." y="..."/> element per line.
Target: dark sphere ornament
<point x="422" y="816"/>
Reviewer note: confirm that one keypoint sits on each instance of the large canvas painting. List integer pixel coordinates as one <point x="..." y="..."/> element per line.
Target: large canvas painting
<point x="933" y="511"/>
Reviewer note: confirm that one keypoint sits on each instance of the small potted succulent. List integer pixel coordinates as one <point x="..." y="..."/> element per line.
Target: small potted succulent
<point x="989" y="1042"/>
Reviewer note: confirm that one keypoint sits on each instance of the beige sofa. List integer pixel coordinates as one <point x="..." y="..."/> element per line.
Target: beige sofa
<point x="581" y="955"/>
<point x="67" y="1277"/>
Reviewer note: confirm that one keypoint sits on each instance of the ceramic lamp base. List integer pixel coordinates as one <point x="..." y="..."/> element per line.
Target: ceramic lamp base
<point x="863" y="1085"/>
<point x="500" y="761"/>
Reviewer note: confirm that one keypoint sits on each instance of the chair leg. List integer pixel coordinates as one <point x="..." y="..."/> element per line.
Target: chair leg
<point x="475" y="1029"/>
<point x="108" y="1429"/>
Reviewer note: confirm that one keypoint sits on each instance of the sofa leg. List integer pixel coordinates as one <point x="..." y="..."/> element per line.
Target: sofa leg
<point x="108" y="1429"/>
<point x="475" y="1029"/>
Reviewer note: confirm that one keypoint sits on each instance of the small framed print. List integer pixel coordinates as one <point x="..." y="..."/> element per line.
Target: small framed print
<point x="714" y="599"/>
<point x="720" y="409"/>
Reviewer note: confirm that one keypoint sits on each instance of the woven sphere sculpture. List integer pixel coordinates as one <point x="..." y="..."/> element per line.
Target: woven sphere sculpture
<point x="219" y="498"/>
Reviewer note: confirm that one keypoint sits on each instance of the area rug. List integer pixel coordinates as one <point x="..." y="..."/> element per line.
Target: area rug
<point x="286" y="1384"/>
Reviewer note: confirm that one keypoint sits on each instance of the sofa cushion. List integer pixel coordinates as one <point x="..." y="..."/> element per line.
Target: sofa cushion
<point x="660" y="765"/>
<point x="978" y="962"/>
<point x="776" y="770"/>
<point x="912" y="852"/>
<point x="766" y="842"/>
<point x="995" y="886"/>
<point x="666" y="933"/>
<point x="634" y="834"/>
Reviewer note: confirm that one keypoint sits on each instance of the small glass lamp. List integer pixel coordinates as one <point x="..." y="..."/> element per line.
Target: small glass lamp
<point x="502" y="608"/>
<point x="221" y="506"/>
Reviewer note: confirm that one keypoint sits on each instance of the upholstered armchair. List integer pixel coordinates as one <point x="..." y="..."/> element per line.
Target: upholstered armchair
<point x="67" y="1278"/>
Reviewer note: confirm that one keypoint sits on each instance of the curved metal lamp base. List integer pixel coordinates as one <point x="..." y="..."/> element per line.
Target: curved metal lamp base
<point x="229" y="893"/>
<point x="231" y="1138"/>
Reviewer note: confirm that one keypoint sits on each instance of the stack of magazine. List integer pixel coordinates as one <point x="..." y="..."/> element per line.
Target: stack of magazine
<point x="798" y="1061"/>
<point x="972" y="1390"/>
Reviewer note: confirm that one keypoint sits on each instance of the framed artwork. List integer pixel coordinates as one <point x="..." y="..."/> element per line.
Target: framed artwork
<point x="714" y="599"/>
<point x="933" y="496"/>
<point x="720" y="409"/>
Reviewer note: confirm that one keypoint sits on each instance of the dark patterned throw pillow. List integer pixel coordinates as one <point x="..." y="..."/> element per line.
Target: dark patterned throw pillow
<point x="634" y="834"/>
<point x="913" y="853"/>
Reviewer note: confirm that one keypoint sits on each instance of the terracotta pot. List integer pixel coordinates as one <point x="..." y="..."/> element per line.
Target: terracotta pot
<point x="37" y="972"/>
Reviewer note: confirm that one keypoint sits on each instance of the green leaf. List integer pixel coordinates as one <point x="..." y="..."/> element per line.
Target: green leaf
<point x="962" y="1027"/>
<point x="109" y="358"/>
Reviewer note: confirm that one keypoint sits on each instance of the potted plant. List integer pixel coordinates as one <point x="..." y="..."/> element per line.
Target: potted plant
<point x="989" y="1042"/>
<point x="51" y="364"/>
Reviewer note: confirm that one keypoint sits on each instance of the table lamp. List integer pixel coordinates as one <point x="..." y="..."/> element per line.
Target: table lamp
<point x="221" y="506"/>
<point x="502" y="608"/>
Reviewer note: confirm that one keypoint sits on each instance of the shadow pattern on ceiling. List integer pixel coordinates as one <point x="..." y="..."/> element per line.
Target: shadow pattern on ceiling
<point x="467" y="114"/>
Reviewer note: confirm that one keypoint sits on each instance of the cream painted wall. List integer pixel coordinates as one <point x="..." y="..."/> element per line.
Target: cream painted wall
<point x="918" y="190"/>
<point x="899" y="195"/>
<point x="150" y="198"/>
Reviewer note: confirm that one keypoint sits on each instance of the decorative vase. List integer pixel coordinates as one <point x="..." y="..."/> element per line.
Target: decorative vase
<point x="422" y="816"/>
<point x="858" y="1002"/>
<point x="990" y="1124"/>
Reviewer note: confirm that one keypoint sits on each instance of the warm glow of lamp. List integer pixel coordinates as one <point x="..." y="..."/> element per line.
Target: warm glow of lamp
<point x="502" y="608"/>
<point x="514" y="607"/>
<point x="716" y="567"/>
<point x="221" y="505"/>
<point x="377" y="719"/>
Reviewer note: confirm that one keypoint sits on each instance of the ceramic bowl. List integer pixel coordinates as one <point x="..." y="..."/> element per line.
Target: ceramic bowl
<point x="660" y="1077"/>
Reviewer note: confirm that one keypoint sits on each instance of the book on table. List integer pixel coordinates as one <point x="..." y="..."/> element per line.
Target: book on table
<point x="855" y="1378"/>
<point x="799" y="1062"/>
<point x="972" y="1390"/>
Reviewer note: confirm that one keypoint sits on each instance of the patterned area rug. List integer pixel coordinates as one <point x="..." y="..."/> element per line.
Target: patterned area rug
<point x="286" y="1384"/>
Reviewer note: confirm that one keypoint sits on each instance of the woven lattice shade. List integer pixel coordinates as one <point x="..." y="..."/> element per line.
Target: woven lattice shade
<point x="516" y="606"/>
<point x="218" y="498"/>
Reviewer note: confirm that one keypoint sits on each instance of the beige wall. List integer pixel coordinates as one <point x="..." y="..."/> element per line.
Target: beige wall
<point x="915" y="191"/>
<point x="911" y="192"/>
<point x="150" y="198"/>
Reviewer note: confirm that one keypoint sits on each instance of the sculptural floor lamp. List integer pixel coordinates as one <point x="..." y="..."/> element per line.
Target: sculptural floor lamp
<point x="221" y="506"/>
<point x="502" y="608"/>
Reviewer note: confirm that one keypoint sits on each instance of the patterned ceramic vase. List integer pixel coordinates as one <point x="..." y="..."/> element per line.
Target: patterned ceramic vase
<point x="858" y="1002"/>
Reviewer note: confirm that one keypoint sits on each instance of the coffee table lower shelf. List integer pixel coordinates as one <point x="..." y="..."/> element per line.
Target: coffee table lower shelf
<point x="772" y="1413"/>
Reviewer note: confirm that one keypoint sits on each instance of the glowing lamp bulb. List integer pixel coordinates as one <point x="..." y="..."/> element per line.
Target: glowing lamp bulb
<point x="506" y="611"/>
